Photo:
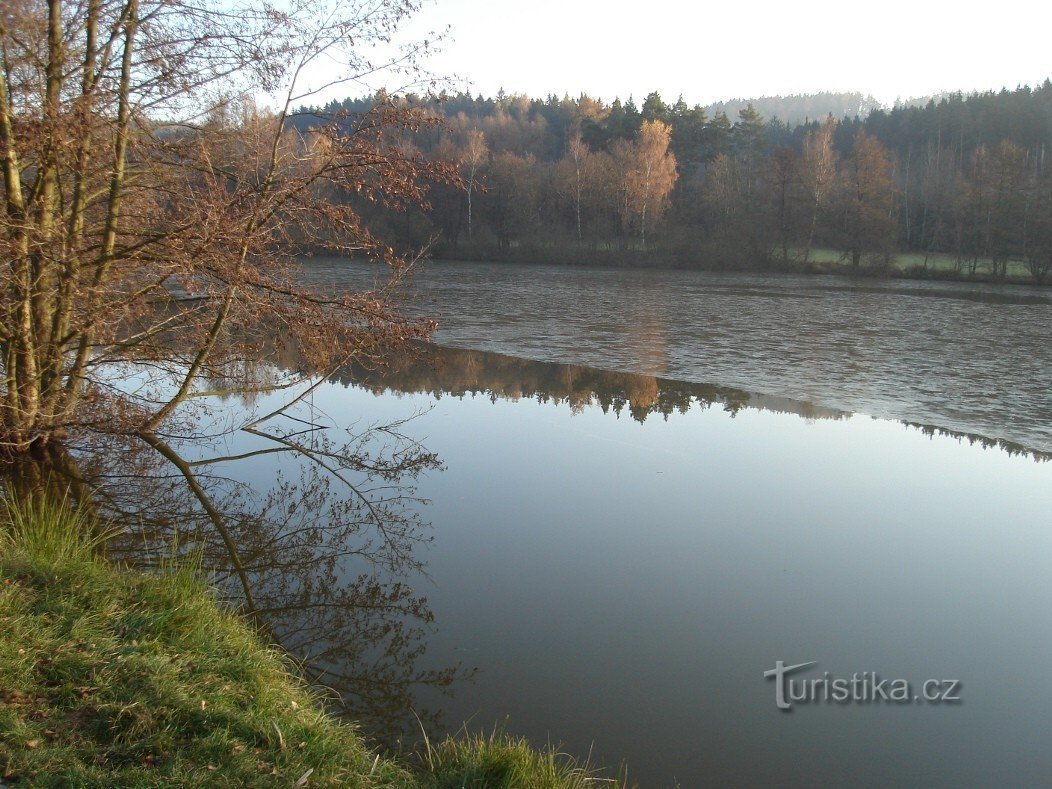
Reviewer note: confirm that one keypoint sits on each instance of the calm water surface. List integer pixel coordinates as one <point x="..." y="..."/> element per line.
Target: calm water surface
<point x="974" y="358"/>
<point x="752" y="469"/>
<point x="623" y="556"/>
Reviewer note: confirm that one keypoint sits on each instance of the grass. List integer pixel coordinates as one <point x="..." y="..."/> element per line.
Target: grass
<point x="474" y="761"/>
<point x="909" y="265"/>
<point x="52" y="533"/>
<point x="111" y="677"/>
<point x="913" y="263"/>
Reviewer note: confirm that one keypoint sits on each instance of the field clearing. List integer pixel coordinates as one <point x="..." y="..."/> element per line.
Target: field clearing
<point x="936" y="262"/>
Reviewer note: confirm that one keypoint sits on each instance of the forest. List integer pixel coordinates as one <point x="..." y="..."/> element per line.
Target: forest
<point x="955" y="186"/>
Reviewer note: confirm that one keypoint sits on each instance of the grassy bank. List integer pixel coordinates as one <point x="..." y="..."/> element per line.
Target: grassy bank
<point x="906" y="265"/>
<point x="937" y="265"/>
<point x="110" y="677"/>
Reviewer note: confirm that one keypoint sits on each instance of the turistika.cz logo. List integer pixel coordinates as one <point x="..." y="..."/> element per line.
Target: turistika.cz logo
<point x="862" y="687"/>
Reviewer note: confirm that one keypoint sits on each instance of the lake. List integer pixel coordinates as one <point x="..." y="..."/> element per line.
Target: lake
<point x="655" y="485"/>
<point x="622" y="582"/>
<point x="647" y="488"/>
<point x="974" y="358"/>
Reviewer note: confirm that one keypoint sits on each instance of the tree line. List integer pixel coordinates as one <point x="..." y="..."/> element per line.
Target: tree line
<point x="961" y="178"/>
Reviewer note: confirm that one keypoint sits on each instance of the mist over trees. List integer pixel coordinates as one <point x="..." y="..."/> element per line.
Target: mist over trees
<point x="963" y="178"/>
<point x="797" y="109"/>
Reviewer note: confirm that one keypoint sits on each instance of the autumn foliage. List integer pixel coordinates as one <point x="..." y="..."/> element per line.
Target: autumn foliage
<point x="152" y="213"/>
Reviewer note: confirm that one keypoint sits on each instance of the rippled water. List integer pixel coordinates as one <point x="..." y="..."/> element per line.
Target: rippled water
<point x="971" y="358"/>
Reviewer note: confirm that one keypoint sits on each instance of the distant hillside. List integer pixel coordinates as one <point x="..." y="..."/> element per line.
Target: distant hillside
<point x="924" y="101"/>
<point x="797" y="109"/>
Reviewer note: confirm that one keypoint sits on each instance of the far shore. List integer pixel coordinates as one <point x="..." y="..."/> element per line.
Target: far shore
<point x="939" y="267"/>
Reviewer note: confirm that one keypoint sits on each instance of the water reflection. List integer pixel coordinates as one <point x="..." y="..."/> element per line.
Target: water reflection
<point x="450" y="371"/>
<point x="972" y="358"/>
<point x="313" y="530"/>
<point x="1008" y="447"/>
<point x="440" y="372"/>
<point x="622" y="581"/>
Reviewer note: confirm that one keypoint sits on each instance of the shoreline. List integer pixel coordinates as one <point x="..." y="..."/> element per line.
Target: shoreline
<point x="111" y="676"/>
<point x="673" y="261"/>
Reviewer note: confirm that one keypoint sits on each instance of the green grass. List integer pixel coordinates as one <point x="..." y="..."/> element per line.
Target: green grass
<point x="908" y="265"/>
<point x="52" y="533"/>
<point x="474" y="761"/>
<point x="910" y="262"/>
<point x="111" y="677"/>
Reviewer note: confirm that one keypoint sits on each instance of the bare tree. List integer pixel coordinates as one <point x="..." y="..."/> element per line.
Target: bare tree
<point x="135" y="172"/>
<point x="510" y="203"/>
<point x="578" y="156"/>
<point x="867" y="196"/>
<point x="1008" y="204"/>
<point x="1039" y="241"/>
<point x="475" y="153"/>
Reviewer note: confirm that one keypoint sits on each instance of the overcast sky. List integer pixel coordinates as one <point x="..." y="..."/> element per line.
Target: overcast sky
<point x="708" y="51"/>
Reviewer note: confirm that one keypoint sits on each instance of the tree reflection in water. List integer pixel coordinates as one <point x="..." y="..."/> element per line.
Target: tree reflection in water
<point x="456" y="372"/>
<point x="315" y="531"/>
<point x="317" y="538"/>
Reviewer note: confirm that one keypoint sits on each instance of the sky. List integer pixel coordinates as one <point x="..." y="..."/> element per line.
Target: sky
<point x="710" y="51"/>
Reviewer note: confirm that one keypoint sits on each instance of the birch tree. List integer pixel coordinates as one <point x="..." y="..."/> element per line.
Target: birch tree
<point x="819" y="172"/>
<point x="475" y="154"/>
<point x="647" y="171"/>
<point x="577" y="180"/>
